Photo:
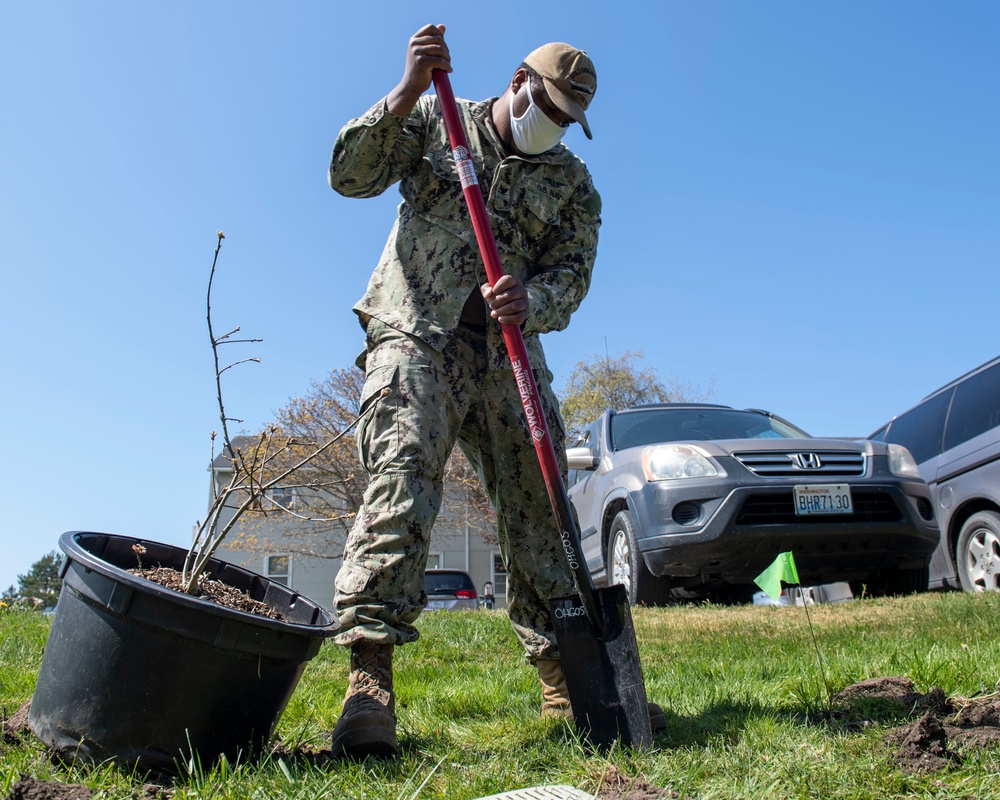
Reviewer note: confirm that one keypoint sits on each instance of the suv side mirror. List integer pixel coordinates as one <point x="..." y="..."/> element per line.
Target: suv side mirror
<point x="581" y="458"/>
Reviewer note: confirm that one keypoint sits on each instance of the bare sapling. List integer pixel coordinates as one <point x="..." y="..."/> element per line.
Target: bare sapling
<point x="267" y="461"/>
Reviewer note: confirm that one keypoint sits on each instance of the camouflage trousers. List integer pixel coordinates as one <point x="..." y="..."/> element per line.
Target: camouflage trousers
<point x="427" y="400"/>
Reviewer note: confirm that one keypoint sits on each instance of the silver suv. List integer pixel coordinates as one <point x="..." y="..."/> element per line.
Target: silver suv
<point x="680" y="500"/>
<point x="954" y="435"/>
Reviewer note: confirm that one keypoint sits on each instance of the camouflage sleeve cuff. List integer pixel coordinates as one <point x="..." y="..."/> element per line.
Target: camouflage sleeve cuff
<point x="538" y="312"/>
<point x="379" y="111"/>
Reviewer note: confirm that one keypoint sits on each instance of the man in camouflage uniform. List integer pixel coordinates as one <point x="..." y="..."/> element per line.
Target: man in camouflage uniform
<point x="436" y="365"/>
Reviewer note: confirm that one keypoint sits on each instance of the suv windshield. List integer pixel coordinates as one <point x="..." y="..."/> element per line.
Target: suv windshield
<point x="655" y="425"/>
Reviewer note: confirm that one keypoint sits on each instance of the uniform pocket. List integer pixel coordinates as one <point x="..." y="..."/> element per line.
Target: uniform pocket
<point x="542" y="205"/>
<point x="352" y="579"/>
<point x="537" y="212"/>
<point x="442" y="163"/>
<point x="377" y="429"/>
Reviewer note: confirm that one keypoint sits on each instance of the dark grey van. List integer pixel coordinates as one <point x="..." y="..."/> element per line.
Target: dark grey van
<point x="954" y="435"/>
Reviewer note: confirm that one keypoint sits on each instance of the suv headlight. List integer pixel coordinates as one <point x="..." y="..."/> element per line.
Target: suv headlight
<point x="901" y="463"/>
<point x="664" y="462"/>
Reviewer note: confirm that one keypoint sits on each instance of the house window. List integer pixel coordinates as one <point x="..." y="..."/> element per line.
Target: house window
<point x="279" y="569"/>
<point x="499" y="575"/>
<point x="283" y="496"/>
<point x="434" y="561"/>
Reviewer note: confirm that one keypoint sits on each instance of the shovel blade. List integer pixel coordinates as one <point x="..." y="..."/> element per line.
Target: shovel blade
<point x="602" y="668"/>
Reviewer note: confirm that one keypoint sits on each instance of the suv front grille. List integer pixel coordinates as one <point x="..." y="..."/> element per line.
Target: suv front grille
<point x="803" y="463"/>
<point x="778" y="508"/>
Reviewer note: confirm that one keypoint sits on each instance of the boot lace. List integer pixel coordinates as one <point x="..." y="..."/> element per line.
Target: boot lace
<point x="371" y="672"/>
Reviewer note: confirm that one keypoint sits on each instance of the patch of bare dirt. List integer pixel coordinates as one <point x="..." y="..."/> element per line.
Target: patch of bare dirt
<point x="316" y="756"/>
<point x="946" y="726"/>
<point x="15" y="727"/>
<point x="25" y="788"/>
<point x="209" y="589"/>
<point x="635" y="790"/>
<point x="615" y="786"/>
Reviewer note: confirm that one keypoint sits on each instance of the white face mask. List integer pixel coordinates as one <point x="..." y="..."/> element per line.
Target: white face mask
<point x="534" y="132"/>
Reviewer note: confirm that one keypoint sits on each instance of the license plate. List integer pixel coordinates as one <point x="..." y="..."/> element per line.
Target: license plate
<point x="435" y="604"/>
<point x="834" y="498"/>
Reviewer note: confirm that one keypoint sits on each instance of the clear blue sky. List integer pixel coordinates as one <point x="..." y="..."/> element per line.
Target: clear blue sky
<point x="801" y="202"/>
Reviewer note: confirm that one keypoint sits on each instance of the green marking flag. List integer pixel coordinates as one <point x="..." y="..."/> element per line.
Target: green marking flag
<point x="783" y="569"/>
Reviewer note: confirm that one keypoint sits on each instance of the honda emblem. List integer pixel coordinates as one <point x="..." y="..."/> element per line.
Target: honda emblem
<point x="807" y="460"/>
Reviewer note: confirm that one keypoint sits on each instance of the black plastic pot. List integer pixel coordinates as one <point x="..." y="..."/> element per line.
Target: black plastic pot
<point x="139" y="674"/>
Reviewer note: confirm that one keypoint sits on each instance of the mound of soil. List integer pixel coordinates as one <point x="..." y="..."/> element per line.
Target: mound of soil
<point x="615" y="786"/>
<point x="15" y="727"/>
<point x="923" y="746"/>
<point x="945" y="728"/>
<point x="636" y="790"/>
<point x="934" y="743"/>
<point x="25" y="788"/>
<point x="892" y="692"/>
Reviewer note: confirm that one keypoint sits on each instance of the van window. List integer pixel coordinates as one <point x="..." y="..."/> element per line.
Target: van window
<point x="921" y="430"/>
<point x="976" y="408"/>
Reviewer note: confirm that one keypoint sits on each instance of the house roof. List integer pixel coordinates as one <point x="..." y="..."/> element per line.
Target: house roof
<point x="222" y="462"/>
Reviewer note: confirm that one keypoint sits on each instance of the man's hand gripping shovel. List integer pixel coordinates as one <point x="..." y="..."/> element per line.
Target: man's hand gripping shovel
<point x="594" y="631"/>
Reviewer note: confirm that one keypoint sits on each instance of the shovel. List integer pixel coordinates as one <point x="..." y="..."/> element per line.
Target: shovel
<point x="593" y="628"/>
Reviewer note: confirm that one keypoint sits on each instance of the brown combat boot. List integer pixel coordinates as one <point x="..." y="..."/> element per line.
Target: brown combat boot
<point x="367" y="724"/>
<point x="555" y="695"/>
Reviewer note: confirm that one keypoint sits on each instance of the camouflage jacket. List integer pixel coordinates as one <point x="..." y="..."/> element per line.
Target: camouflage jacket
<point x="544" y="211"/>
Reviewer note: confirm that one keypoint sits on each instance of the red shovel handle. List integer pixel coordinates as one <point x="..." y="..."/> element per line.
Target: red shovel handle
<point x="515" y="348"/>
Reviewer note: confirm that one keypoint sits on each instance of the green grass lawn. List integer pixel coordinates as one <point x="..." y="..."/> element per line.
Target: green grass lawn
<point x="742" y="687"/>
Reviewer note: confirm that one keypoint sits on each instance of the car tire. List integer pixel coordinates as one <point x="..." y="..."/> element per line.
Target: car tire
<point x="977" y="556"/>
<point x="625" y="565"/>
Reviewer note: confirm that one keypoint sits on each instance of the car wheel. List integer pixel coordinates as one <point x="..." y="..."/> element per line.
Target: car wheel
<point x="625" y="565"/>
<point x="978" y="553"/>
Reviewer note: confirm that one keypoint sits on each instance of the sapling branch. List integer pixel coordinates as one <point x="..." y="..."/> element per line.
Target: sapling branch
<point x="255" y="473"/>
<point x="225" y="336"/>
<point x="243" y="361"/>
<point x="215" y="344"/>
<point x="224" y="339"/>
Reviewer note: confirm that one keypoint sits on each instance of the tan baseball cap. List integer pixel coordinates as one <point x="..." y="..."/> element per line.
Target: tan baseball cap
<point x="569" y="77"/>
